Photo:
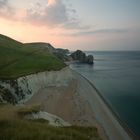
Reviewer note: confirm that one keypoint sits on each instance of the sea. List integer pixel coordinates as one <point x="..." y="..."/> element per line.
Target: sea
<point x="116" y="75"/>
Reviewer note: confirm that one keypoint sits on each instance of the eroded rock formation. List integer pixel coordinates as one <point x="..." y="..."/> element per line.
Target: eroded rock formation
<point x="81" y="57"/>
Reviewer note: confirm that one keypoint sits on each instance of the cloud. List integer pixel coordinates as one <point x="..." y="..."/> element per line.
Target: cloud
<point x="3" y="3"/>
<point x="54" y="14"/>
<point x="6" y="11"/>
<point x="100" y="31"/>
<point x="51" y="13"/>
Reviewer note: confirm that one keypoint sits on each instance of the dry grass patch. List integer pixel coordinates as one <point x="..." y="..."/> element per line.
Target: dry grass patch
<point x="13" y="127"/>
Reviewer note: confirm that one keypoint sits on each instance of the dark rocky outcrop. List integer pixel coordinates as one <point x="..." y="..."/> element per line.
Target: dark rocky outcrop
<point x="81" y="57"/>
<point x="89" y="59"/>
<point x="62" y="54"/>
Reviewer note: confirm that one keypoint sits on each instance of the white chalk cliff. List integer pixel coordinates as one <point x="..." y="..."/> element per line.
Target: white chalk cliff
<point x="23" y="88"/>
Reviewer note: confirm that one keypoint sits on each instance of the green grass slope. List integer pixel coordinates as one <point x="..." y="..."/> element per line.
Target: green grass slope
<point x="41" y="46"/>
<point x="18" y="59"/>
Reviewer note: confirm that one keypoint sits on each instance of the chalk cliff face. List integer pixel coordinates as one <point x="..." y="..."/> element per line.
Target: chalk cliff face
<point x="23" y="88"/>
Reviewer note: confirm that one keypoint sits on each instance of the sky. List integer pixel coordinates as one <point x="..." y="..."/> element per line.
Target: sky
<point x="73" y="24"/>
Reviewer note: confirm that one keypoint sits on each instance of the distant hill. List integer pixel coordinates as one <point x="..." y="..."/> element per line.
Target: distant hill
<point x="18" y="59"/>
<point x="42" y="46"/>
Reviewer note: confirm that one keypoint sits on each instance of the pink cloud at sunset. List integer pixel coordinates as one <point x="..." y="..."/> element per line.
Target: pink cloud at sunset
<point x="70" y="24"/>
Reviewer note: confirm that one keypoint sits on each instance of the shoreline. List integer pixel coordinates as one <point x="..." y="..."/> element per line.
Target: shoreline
<point x="71" y="96"/>
<point x="129" y="133"/>
<point x="60" y="95"/>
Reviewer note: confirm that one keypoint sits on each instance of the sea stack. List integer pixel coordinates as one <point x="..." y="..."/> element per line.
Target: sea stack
<point x="81" y="57"/>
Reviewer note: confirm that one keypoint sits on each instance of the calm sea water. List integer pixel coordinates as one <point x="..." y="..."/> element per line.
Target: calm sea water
<point x="117" y="76"/>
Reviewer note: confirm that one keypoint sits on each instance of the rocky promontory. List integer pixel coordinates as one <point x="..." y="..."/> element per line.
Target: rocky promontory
<point x="82" y="57"/>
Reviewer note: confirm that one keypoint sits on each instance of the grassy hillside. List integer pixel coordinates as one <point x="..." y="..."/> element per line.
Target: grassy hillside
<point x="13" y="127"/>
<point x="18" y="59"/>
<point x="41" y="46"/>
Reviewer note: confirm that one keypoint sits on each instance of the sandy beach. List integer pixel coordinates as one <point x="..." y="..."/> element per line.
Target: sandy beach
<point x="76" y="101"/>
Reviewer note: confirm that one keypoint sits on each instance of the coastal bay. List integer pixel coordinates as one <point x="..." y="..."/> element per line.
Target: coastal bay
<point x="78" y="103"/>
